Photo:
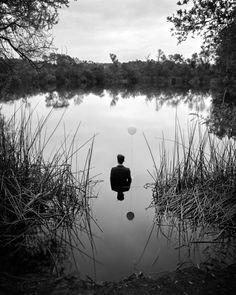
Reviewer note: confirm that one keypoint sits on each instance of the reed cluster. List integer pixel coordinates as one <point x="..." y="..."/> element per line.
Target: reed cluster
<point x="198" y="183"/>
<point x="44" y="203"/>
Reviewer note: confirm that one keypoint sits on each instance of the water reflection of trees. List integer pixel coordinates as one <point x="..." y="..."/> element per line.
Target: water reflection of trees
<point x="77" y="95"/>
<point x="163" y="97"/>
<point x="169" y="97"/>
<point x="194" y="101"/>
<point x="222" y="118"/>
<point x="65" y="93"/>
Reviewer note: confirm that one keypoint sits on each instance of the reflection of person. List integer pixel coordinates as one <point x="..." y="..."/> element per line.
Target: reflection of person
<point x="120" y="196"/>
<point x="120" y="178"/>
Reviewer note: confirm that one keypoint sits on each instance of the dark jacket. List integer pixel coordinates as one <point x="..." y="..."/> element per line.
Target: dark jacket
<point x="120" y="178"/>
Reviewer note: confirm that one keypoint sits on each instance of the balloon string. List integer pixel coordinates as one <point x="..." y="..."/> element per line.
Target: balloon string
<point x="131" y="189"/>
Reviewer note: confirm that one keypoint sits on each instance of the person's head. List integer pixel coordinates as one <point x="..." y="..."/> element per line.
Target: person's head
<point x="120" y="159"/>
<point x="120" y="196"/>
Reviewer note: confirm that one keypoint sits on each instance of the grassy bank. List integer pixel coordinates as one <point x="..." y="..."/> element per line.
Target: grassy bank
<point x="198" y="182"/>
<point x="44" y="203"/>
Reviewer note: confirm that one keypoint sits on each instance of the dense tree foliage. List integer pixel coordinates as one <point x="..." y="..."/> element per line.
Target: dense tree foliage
<point x="25" y="26"/>
<point x="222" y="119"/>
<point x="226" y="50"/>
<point x="62" y="70"/>
<point x="215" y="20"/>
<point x="205" y="17"/>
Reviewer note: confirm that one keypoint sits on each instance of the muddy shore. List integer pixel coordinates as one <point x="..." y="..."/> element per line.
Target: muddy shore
<point x="203" y="280"/>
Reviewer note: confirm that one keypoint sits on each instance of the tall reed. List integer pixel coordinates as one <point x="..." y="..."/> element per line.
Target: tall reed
<point x="44" y="202"/>
<point x="199" y="181"/>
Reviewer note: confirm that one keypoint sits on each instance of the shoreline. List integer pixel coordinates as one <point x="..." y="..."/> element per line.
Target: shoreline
<point x="207" y="279"/>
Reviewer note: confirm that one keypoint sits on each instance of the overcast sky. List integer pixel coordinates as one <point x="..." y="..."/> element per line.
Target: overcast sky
<point x="132" y="29"/>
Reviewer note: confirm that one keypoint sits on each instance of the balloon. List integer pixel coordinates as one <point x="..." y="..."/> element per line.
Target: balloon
<point x="132" y="130"/>
<point x="130" y="215"/>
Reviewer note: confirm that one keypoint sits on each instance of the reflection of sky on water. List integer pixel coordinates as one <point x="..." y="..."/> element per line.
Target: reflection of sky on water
<point x="121" y="243"/>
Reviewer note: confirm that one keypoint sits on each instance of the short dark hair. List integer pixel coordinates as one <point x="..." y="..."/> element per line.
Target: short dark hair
<point x="120" y="159"/>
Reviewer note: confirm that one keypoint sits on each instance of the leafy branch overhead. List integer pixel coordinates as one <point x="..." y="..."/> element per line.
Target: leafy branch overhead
<point x="203" y="17"/>
<point x="25" y="26"/>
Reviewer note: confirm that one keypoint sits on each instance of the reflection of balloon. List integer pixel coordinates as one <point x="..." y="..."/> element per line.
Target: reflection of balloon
<point x="132" y="130"/>
<point x="130" y="215"/>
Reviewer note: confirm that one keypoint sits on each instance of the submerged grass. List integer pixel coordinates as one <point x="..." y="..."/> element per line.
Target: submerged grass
<point x="44" y="204"/>
<point x="199" y="182"/>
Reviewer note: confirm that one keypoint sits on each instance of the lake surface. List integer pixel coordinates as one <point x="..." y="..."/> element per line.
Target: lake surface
<point x="123" y="246"/>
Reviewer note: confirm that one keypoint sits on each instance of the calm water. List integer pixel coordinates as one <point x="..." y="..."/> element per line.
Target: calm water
<point x="120" y="245"/>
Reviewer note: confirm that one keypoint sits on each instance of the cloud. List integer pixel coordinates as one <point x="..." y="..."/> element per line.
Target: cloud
<point x="91" y="29"/>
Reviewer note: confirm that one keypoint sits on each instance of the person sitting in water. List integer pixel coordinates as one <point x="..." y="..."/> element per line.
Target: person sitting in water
<point x="120" y="178"/>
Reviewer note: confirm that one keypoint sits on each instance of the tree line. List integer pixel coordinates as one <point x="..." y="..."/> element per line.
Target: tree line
<point x="25" y="38"/>
<point x="61" y="70"/>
